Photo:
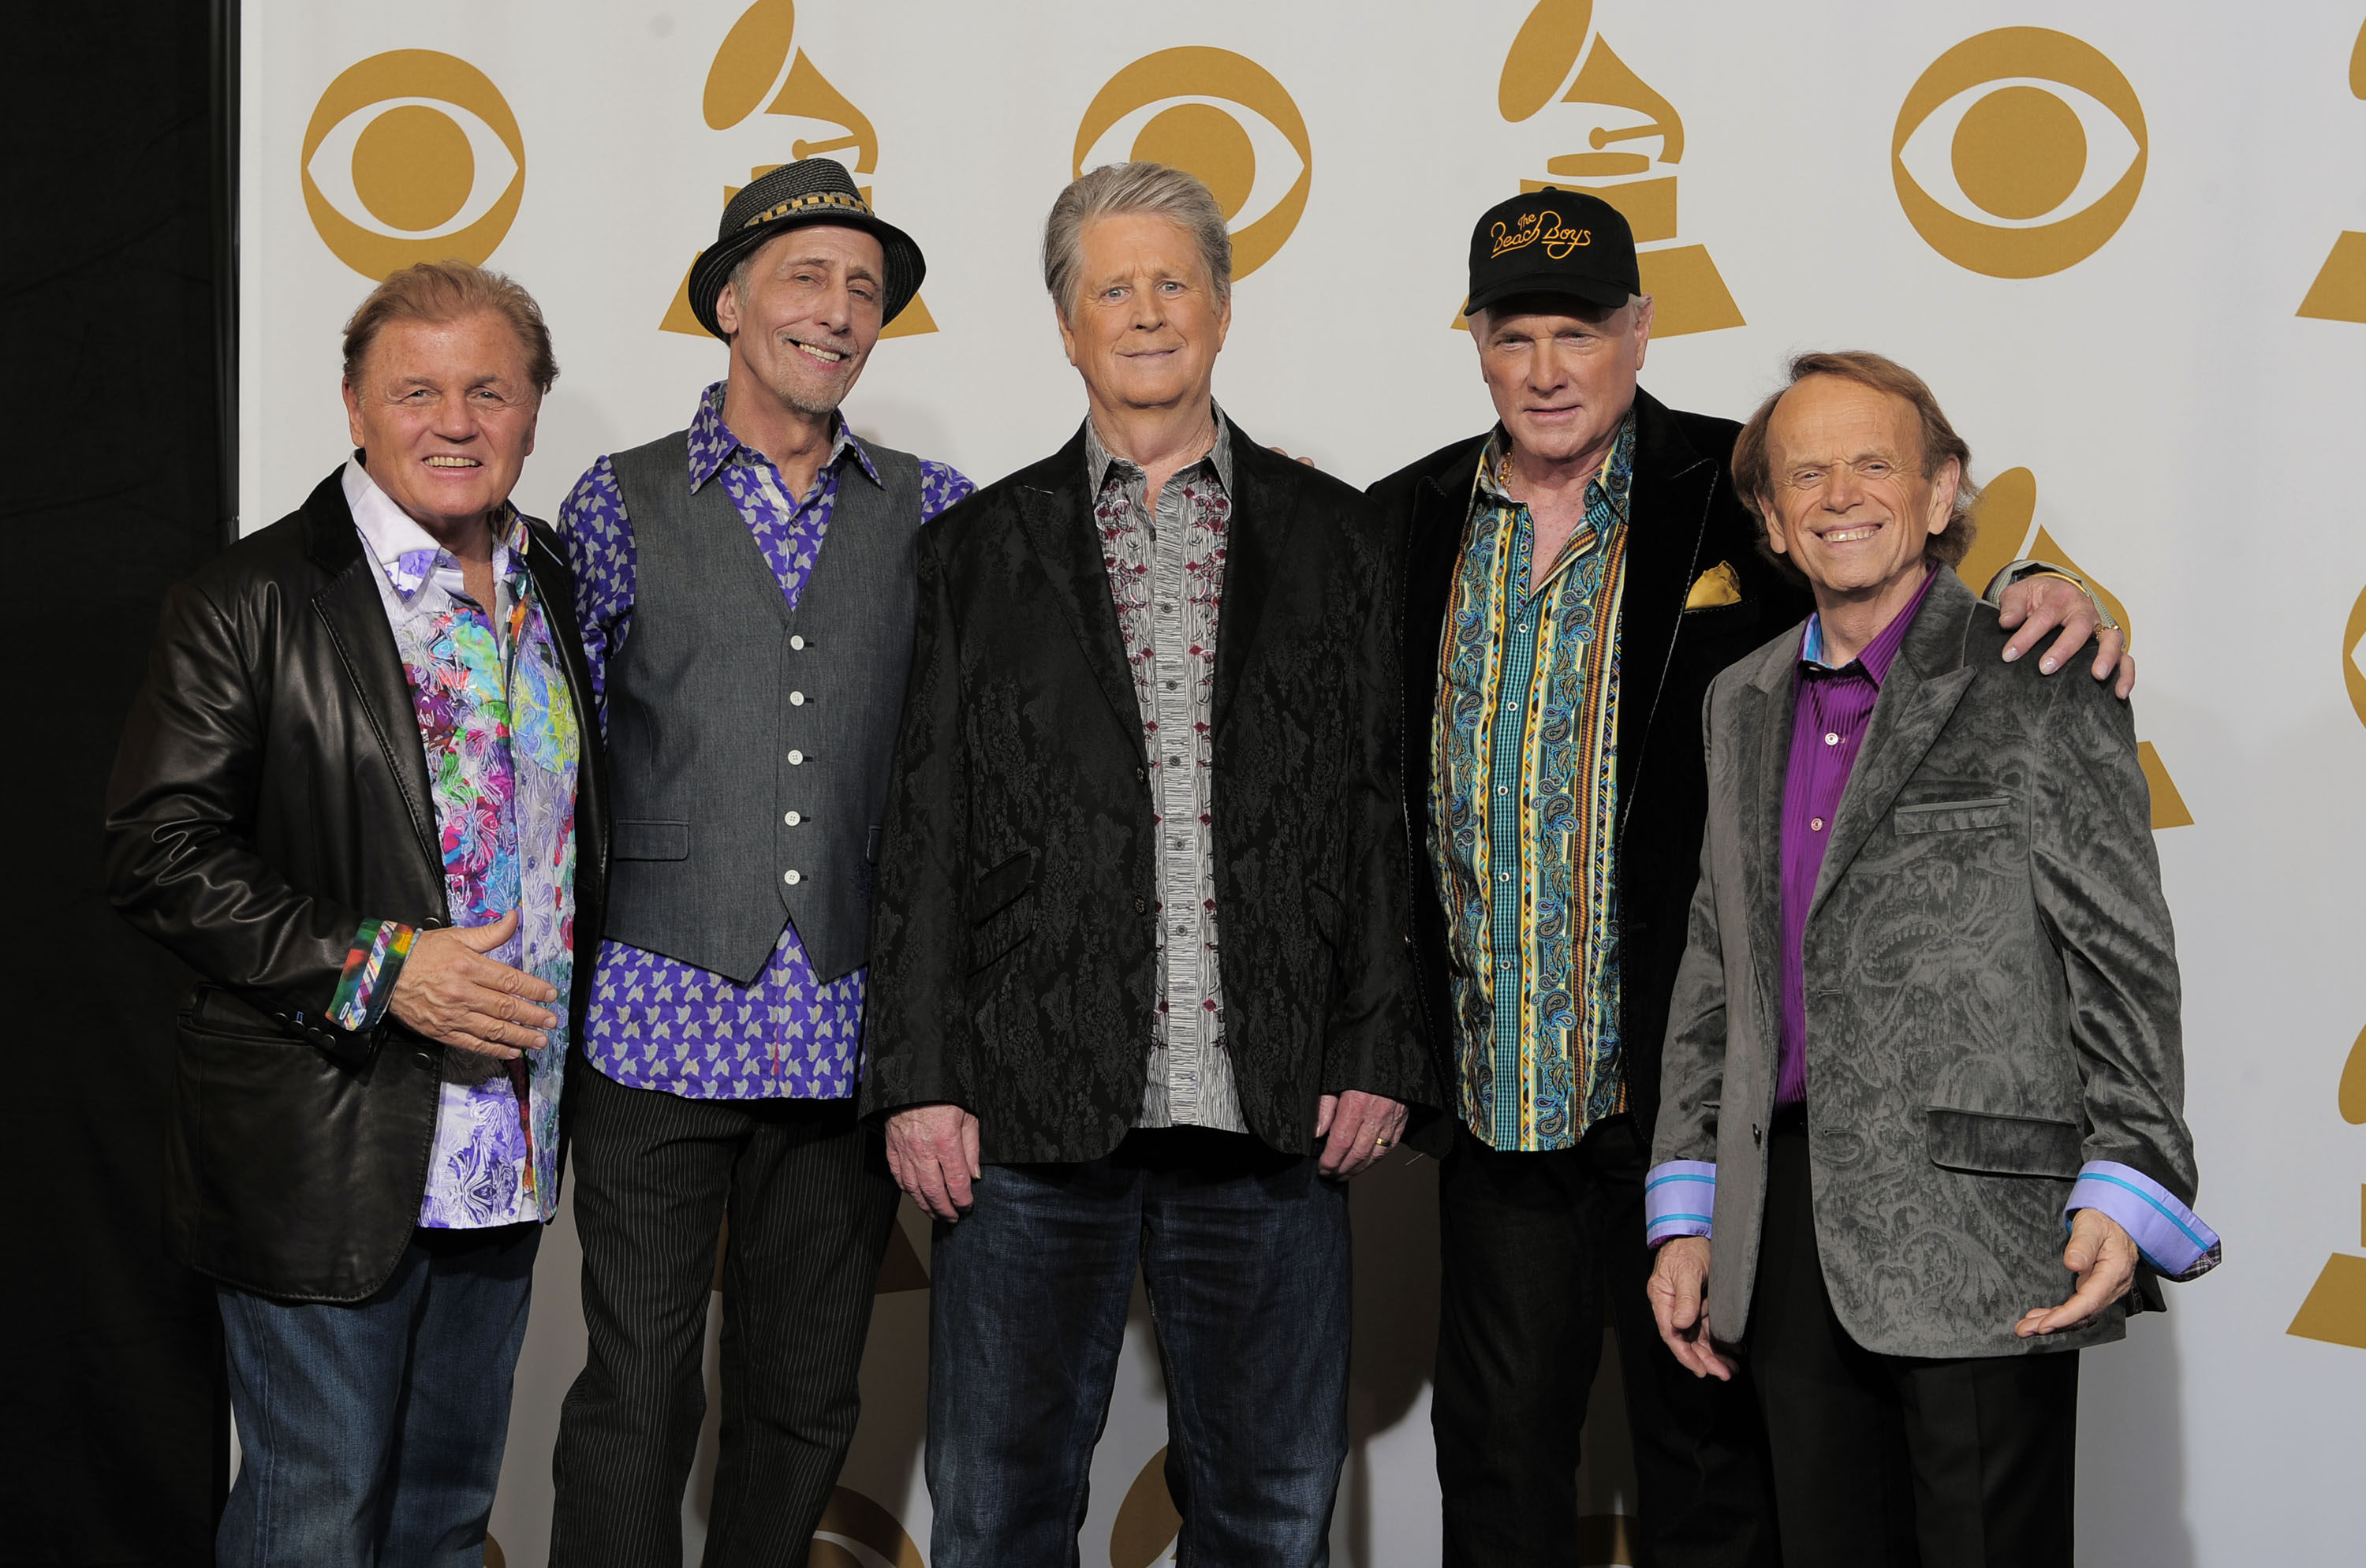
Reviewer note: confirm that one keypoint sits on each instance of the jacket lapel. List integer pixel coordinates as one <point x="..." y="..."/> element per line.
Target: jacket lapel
<point x="1667" y="518"/>
<point x="1256" y="539"/>
<point x="1059" y="525"/>
<point x="1765" y="741"/>
<point x="1925" y="683"/>
<point x="355" y="618"/>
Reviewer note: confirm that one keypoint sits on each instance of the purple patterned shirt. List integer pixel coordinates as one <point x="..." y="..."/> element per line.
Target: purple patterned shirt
<point x="654" y="1021"/>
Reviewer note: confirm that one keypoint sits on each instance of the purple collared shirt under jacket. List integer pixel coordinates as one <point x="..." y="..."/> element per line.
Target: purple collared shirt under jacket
<point x="1828" y="720"/>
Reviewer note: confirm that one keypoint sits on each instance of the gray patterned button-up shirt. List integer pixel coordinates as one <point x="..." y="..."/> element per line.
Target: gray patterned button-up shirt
<point x="1166" y="574"/>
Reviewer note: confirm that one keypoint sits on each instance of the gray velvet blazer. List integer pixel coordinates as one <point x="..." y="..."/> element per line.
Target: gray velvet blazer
<point x="1992" y="989"/>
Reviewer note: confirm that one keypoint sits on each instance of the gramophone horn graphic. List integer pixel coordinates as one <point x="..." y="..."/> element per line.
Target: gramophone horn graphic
<point x="746" y="73"/>
<point x="1688" y="295"/>
<point x="2339" y="292"/>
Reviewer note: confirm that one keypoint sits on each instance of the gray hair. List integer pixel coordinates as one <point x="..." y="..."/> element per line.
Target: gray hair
<point x="1115" y="188"/>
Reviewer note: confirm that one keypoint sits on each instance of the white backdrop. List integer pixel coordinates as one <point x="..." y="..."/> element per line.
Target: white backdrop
<point x="2119" y="250"/>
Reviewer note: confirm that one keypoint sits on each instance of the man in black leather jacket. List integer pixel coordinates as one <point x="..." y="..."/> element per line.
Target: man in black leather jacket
<point x="362" y="797"/>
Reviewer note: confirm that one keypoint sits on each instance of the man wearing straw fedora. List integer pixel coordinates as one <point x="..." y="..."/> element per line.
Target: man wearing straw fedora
<point x="746" y="591"/>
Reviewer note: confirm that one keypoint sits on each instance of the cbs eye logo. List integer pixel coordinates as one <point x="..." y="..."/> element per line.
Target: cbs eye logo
<point x="412" y="156"/>
<point x="2019" y="152"/>
<point x="2353" y="658"/>
<point x="1179" y="107"/>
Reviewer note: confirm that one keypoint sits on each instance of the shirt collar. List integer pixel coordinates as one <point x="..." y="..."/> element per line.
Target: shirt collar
<point x="407" y="553"/>
<point x="1099" y="457"/>
<point x="1614" y="480"/>
<point x="1882" y="650"/>
<point x="711" y="444"/>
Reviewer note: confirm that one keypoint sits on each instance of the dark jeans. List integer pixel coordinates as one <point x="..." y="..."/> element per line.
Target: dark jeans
<point x="373" y="1433"/>
<point x="1536" y="1249"/>
<point x="1889" y="1461"/>
<point x="810" y="1201"/>
<point x="1244" y="1253"/>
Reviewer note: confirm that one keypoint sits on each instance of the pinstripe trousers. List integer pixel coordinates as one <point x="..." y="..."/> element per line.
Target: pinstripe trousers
<point x="810" y="1201"/>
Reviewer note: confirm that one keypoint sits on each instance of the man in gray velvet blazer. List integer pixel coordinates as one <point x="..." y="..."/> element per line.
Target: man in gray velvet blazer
<point x="1927" y="1020"/>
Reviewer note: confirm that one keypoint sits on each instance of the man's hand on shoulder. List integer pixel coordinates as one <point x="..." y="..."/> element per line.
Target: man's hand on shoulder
<point x="2104" y="1257"/>
<point x="2036" y="606"/>
<point x="1356" y="1129"/>
<point x="1679" y="1292"/>
<point x="448" y="990"/>
<point x="932" y="1150"/>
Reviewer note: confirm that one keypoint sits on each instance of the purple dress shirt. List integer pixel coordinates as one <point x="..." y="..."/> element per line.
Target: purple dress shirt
<point x="654" y="1021"/>
<point x="1828" y="720"/>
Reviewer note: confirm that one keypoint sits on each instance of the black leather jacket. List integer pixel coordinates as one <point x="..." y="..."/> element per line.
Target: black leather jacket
<point x="270" y="794"/>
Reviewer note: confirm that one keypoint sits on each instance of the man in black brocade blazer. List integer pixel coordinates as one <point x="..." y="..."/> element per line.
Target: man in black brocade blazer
<point x="1153" y="692"/>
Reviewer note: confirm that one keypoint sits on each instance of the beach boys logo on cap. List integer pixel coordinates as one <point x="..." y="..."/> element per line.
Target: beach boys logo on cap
<point x="1544" y="229"/>
<point x="2019" y="152"/>
<point x="1221" y="117"/>
<point x="412" y="156"/>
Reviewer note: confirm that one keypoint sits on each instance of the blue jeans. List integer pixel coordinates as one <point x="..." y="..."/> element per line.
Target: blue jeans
<point x="1244" y="1253"/>
<point x="372" y="1433"/>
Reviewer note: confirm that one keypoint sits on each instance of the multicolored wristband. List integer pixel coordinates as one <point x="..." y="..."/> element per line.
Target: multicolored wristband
<point x="376" y="958"/>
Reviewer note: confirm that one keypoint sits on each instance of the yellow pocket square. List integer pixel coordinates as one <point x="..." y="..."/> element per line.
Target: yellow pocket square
<point x="1720" y="584"/>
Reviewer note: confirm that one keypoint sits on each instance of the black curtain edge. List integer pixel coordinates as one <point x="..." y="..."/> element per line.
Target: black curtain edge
<point x="225" y="34"/>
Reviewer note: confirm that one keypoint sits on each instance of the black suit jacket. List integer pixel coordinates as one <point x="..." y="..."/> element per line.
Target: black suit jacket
<point x="270" y="794"/>
<point x="1683" y="519"/>
<point x="1013" y="954"/>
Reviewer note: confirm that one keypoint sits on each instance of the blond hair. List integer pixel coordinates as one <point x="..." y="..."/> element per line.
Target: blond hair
<point x="445" y="291"/>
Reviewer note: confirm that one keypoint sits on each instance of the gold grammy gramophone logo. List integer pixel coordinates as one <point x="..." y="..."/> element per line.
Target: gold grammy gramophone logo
<point x="1220" y="116"/>
<point x="760" y="66"/>
<point x="1550" y="62"/>
<point x="2007" y="531"/>
<point x="2019" y="152"/>
<point x="412" y="155"/>
<point x="2339" y="292"/>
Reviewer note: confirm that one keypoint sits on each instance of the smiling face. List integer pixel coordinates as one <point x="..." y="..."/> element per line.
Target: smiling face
<point x="1851" y="505"/>
<point x="1561" y="372"/>
<point x="446" y="412"/>
<point x="1146" y="325"/>
<point x="804" y="311"/>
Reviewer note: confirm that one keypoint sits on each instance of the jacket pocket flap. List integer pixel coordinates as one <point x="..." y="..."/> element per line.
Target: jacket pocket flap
<point x="1952" y="815"/>
<point x="994" y="890"/>
<point x="650" y="841"/>
<point x="2003" y="1145"/>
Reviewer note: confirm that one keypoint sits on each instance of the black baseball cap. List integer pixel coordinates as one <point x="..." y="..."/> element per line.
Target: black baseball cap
<point x="1553" y="242"/>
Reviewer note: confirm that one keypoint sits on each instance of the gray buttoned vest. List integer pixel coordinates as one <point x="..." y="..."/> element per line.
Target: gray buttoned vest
<point x="748" y="745"/>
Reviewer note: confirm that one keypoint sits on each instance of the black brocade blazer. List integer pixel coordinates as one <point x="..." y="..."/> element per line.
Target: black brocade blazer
<point x="1683" y="519"/>
<point x="270" y="794"/>
<point x="1014" y="967"/>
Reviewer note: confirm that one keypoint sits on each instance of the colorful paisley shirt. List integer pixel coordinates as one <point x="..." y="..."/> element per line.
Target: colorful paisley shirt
<point x="497" y="719"/>
<point x="1524" y="809"/>
<point x="655" y="1022"/>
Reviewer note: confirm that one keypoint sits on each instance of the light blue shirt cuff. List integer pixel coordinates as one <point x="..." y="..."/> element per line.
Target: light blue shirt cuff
<point x="1678" y="1198"/>
<point x="2172" y="1238"/>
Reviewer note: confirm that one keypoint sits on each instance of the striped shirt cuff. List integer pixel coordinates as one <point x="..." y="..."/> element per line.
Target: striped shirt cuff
<point x="1678" y="1197"/>
<point x="371" y="964"/>
<point x="2172" y="1238"/>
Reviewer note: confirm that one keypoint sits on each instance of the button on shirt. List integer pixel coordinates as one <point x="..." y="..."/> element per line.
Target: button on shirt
<point x="1524" y="812"/>
<point x="1830" y="711"/>
<point x="1166" y="574"/>
<point x="497" y="722"/>
<point x="656" y="1023"/>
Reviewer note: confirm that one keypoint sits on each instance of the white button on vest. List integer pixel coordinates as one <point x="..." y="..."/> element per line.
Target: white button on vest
<point x="796" y="758"/>
<point x="790" y="878"/>
<point x="796" y="699"/>
<point x="798" y="643"/>
<point x="792" y="819"/>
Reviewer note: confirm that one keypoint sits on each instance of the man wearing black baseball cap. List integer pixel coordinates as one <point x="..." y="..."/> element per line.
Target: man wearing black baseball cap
<point x="745" y="588"/>
<point x="1575" y="577"/>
